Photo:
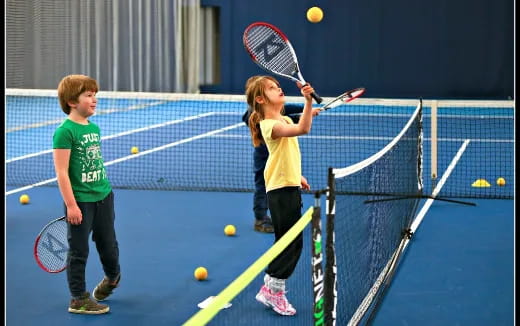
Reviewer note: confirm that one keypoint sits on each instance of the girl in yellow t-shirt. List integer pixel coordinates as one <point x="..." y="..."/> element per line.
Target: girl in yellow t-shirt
<point x="283" y="177"/>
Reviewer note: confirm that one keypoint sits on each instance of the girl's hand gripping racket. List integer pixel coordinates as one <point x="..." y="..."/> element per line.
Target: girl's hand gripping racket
<point x="271" y="50"/>
<point x="51" y="246"/>
<point x="343" y="98"/>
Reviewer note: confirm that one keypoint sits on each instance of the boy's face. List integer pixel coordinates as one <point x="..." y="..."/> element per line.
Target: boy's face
<point x="86" y="105"/>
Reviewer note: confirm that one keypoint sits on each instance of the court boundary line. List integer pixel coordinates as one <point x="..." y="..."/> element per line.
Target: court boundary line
<point x="420" y="216"/>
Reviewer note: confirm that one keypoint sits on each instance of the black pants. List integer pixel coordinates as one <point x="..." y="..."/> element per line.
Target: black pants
<point x="285" y="205"/>
<point x="260" y="156"/>
<point x="98" y="218"/>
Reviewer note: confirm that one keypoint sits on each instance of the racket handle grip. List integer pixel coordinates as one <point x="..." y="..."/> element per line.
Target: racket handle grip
<point x="316" y="97"/>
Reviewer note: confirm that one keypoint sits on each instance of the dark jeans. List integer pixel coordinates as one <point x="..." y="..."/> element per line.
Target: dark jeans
<point x="286" y="209"/>
<point x="98" y="218"/>
<point x="260" y="206"/>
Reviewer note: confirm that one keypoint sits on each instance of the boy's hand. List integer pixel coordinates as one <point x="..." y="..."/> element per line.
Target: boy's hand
<point x="74" y="215"/>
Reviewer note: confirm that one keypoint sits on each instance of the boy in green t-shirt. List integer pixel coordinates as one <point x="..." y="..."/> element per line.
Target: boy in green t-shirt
<point x="86" y="192"/>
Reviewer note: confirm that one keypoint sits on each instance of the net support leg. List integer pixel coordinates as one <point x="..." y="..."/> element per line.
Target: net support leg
<point x="317" y="266"/>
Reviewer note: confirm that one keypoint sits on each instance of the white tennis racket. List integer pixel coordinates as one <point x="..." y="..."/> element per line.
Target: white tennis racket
<point x="343" y="98"/>
<point x="51" y="246"/>
<point x="271" y="50"/>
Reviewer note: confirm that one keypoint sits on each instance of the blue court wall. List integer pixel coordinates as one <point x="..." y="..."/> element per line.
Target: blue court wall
<point x="458" y="49"/>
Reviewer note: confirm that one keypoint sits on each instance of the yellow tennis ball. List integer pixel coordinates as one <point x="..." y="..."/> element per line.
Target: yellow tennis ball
<point x="501" y="182"/>
<point x="201" y="273"/>
<point x="314" y="14"/>
<point x="230" y="230"/>
<point x="134" y="150"/>
<point x="24" y="199"/>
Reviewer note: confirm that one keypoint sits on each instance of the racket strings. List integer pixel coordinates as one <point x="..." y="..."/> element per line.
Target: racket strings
<point x="279" y="59"/>
<point x="52" y="246"/>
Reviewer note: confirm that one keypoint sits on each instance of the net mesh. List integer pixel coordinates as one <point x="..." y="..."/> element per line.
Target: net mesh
<point x="199" y="142"/>
<point x="185" y="142"/>
<point x="373" y="203"/>
<point x="488" y="127"/>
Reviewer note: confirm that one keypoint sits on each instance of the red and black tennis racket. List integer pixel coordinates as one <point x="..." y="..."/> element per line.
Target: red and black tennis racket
<point x="343" y="98"/>
<point x="51" y="246"/>
<point x="271" y="50"/>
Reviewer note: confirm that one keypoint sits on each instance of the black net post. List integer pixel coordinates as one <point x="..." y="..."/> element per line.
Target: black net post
<point x="317" y="266"/>
<point x="330" y="265"/>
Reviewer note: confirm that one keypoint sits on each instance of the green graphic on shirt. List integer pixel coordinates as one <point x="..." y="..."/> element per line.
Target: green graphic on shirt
<point x="90" y="156"/>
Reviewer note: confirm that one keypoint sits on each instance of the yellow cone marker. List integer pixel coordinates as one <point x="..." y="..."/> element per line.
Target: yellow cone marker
<point x="479" y="183"/>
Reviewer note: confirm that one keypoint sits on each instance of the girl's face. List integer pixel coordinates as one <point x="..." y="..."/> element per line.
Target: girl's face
<point x="274" y="93"/>
<point x="86" y="105"/>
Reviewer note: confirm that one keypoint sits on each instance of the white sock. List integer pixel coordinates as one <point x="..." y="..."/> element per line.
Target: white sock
<point x="266" y="279"/>
<point x="274" y="284"/>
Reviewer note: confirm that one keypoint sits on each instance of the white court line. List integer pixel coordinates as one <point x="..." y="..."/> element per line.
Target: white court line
<point x="418" y="219"/>
<point x="358" y="314"/>
<point x="124" y="133"/>
<point x="129" y="157"/>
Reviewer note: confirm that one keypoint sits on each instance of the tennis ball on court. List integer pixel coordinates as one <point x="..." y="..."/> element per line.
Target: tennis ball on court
<point x="201" y="273"/>
<point x="24" y="199"/>
<point x="230" y="230"/>
<point x="501" y="182"/>
<point x="134" y="150"/>
<point x="314" y="14"/>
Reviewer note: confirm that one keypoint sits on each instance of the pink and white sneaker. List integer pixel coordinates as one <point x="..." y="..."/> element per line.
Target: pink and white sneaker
<point x="277" y="301"/>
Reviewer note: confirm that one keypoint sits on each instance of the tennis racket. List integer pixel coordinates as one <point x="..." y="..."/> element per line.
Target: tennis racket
<point x="271" y="50"/>
<point x="51" y="246"/>
<point x="343" y="98"/>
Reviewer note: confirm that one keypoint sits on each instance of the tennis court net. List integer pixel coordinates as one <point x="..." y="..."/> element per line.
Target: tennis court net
<point x="371" y="205"/>
<point x="199" y="142"/>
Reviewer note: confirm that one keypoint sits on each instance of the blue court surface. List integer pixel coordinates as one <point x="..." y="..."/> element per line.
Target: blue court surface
<point x="458" y="269"/>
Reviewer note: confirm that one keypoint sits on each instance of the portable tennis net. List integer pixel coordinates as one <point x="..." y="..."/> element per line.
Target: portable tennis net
<point x="370" y="207"/>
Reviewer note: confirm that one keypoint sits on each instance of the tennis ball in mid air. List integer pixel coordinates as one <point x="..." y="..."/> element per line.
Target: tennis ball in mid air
<point x="134" y="150"/>
<point x="201" y="273"/>
<point x="314" y="14"/>
<point x="24" y="199"/>
<point x="230" y="230"/>
<point x="501" y="182"/>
